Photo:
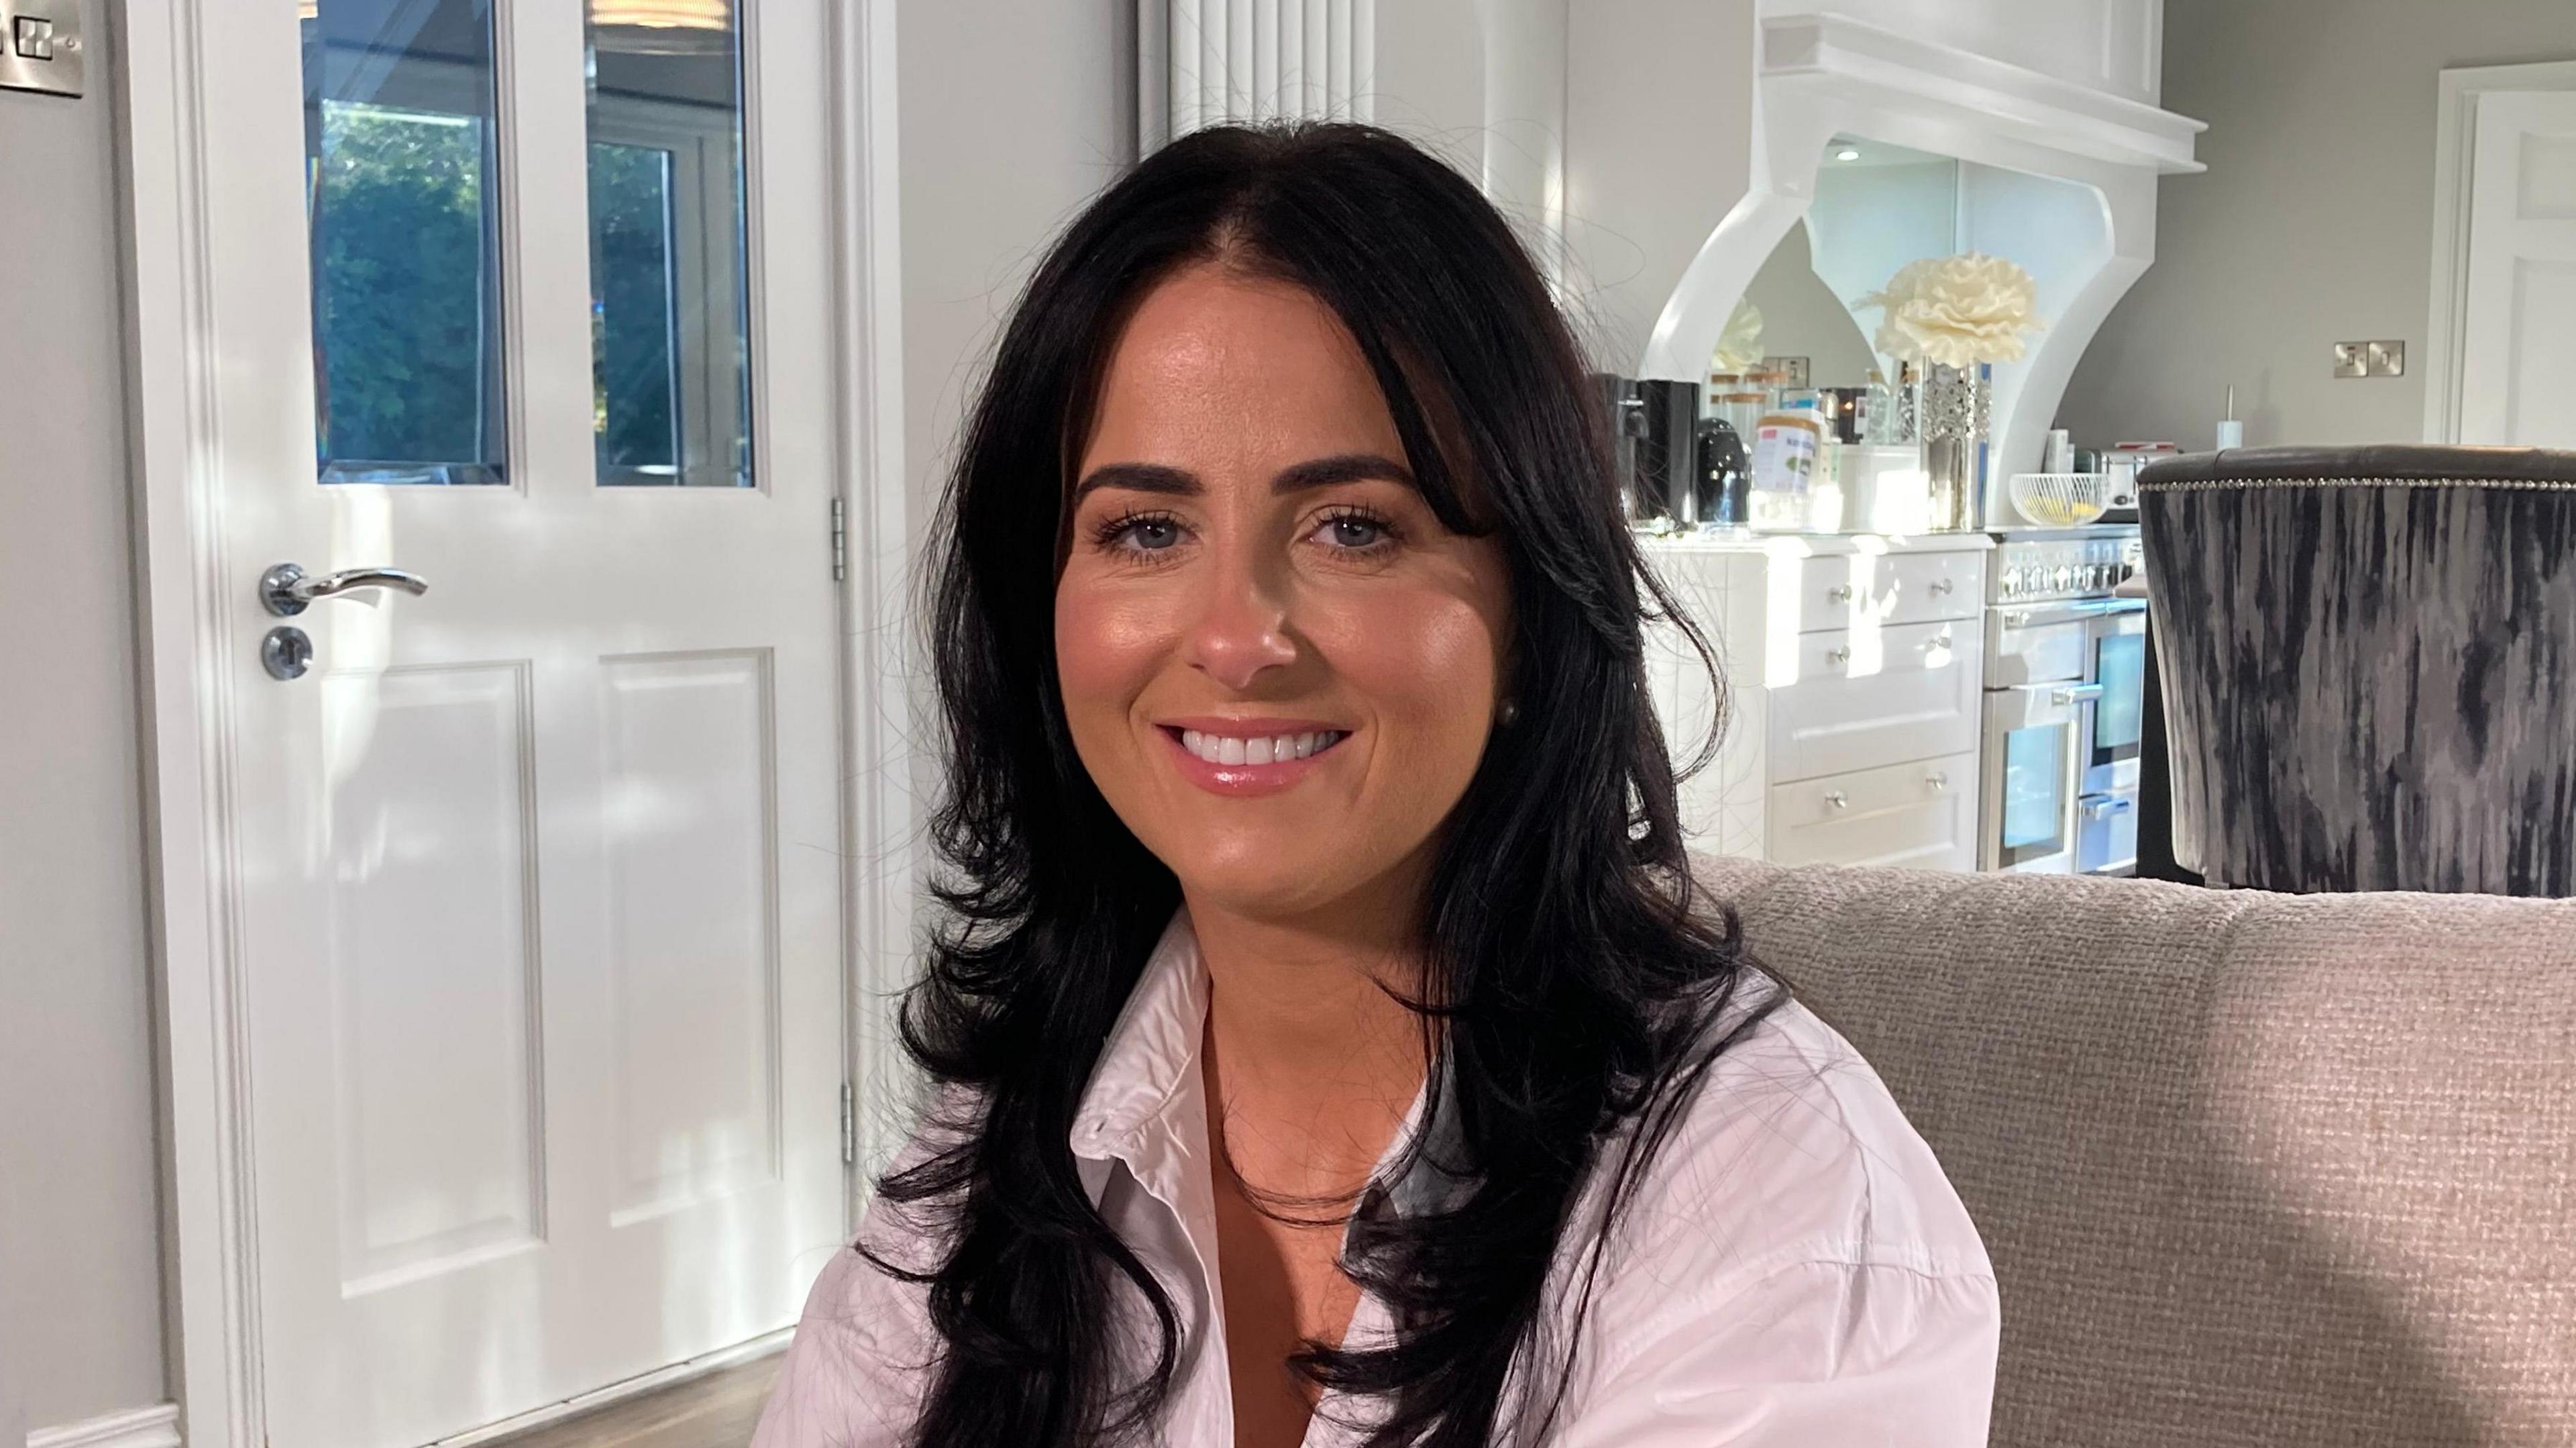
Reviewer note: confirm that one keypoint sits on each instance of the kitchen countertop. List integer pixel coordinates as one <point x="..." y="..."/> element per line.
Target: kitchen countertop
<point x="1812" y="545"/>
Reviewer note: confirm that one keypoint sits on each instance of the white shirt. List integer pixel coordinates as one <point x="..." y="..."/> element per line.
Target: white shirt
<point x="1794" y="1271"/>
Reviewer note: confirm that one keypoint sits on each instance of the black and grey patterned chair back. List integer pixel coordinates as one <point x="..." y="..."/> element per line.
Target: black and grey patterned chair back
<point x="2369" y="665"/>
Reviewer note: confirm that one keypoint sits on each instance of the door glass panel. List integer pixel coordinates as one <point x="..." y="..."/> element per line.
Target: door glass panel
<point x="402" y="207"/>
<point x="2119" y="717"/>
<point x="2034" y="792"/>
<point x="670" y="285"/>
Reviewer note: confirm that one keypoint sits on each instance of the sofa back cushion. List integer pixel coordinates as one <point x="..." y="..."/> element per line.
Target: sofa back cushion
<point x="2253" y="1169"/>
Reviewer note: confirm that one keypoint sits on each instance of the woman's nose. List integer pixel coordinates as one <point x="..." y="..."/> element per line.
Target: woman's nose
<point x="1241" y="627"/>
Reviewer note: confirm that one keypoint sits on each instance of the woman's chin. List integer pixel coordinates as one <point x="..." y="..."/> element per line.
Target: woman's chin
<point x="1289" y="881"/>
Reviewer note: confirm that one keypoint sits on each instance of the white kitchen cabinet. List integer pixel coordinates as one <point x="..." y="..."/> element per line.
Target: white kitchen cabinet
<point x="1859" y="590"/>
<point x="1921" y="814"/>
<point x="1874" y="696"/>
<point x="1852" y="671"/>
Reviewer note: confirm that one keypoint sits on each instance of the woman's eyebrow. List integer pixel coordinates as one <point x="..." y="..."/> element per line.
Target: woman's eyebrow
<point x="1138" y="477"/>
<point x="1179" y="482"/>
<point x="1341" y="468"/>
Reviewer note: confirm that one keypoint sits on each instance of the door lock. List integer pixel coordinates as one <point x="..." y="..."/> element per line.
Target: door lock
<point x="286" y="653"/>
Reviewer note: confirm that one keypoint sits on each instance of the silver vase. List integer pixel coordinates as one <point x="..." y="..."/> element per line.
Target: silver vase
<point x="1951" y="410"/>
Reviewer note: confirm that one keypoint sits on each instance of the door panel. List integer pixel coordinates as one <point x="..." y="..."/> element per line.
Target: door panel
<point x="688" y="816"/>
<point x="432" y="970"/>
<point x="538" y="900"/>
<point x="2518" y="364"/>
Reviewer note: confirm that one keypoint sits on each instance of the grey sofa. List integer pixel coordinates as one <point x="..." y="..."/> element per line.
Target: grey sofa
<point x="2253" y="1169"/>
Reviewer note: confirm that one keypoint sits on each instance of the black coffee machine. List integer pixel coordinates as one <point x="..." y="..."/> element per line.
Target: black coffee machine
<point x="1672" y="463"/>
<point x="1654" y="438"/>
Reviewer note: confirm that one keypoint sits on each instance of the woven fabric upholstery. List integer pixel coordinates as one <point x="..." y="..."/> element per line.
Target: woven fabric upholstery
<point x="2254" y="1169"/>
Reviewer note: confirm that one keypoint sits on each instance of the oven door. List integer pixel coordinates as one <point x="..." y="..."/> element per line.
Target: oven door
<point x="2115" y="659"/>
<point x="2026" y="820"/>
<point x="2106" y="834"/>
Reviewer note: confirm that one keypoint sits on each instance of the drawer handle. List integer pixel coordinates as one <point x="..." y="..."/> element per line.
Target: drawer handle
<point x="1940" y="642"/>
<point x="1939" y="780"/>
<point x="1839" y="593"/>
<point x="1941" y="586"/>
<point x="1838" y="800"/>
<point x="1838" y="658"/>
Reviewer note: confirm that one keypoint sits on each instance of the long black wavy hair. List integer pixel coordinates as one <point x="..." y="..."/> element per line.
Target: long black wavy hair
<point x="1572" y="983"/>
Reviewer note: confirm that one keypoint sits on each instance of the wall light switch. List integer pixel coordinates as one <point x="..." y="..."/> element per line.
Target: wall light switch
<point x="40" y="46"/>
<point x="2352" y="359"/>
<point x="2386" y="359"/>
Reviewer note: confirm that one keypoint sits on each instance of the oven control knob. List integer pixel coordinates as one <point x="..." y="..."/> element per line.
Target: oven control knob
<point x="2065" y="578"/>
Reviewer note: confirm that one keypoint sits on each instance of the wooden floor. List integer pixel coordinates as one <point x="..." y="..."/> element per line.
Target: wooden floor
<point x="715" y="1411"/>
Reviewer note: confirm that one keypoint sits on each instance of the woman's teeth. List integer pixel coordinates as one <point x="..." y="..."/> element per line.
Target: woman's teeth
<point x="1279" y="749"/>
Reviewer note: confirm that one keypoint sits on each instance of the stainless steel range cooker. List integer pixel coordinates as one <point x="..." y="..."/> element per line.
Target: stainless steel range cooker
<point x="2064" y="696"/>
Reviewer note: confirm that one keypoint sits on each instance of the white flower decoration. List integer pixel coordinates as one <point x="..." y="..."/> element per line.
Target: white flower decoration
<point x="1740" y="349"/>
<point x="1956" y="311"/>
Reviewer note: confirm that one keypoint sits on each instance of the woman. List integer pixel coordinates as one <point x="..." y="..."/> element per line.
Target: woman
<point x="1329" y="1046"/>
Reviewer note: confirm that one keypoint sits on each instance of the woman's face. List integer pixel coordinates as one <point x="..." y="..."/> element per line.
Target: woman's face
<point x="1278" y="666"/>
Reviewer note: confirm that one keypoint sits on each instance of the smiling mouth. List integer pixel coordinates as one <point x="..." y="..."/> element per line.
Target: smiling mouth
<point x="1240" y="751"/>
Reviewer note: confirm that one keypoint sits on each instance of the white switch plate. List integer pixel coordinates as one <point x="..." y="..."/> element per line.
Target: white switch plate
<point x="40" y="46"/>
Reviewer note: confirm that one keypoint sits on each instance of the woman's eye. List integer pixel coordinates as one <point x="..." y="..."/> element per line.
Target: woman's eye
<point x="1143" y="534"/>
<point x="1355" y="531"/>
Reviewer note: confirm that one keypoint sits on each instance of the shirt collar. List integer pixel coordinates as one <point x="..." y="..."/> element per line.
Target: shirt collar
<point x="1147" y="1076"/>
<point x="1152" y="1050"/>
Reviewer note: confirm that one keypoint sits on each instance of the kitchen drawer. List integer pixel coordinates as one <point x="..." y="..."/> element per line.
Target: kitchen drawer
<point x="1869" y="697"/>
<point x="1921" y="815"/>
<point x="1852" y="591"/>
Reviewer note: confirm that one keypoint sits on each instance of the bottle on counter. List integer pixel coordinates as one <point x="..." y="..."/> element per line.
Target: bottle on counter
<point x="1789" y="447"/>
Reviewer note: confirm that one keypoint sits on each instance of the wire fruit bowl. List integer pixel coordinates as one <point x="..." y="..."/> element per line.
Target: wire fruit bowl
<point x="2061" y="500"/>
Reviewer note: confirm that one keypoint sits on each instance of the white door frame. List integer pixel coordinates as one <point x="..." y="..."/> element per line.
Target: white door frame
<point x="2454" y="147"/>
<point x="187" y="604"/>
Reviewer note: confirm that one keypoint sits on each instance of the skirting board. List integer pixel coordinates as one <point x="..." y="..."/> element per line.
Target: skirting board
<point x="672" y="1376"/>
<point x="153" y="1427"/>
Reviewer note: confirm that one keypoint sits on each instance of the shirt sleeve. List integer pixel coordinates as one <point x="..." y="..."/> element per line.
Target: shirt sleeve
<point x="864" y="1348"/>
<point x="854" y="1372"/>
<point x="1856" y="1356"/>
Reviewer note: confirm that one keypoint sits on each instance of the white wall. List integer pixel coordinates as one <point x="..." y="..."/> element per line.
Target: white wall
<point x="1658" y="146"/>
<point x="80" y="1297"/>
<point x="1801" y="317"/>
<point x="2311" y="225"/>
<point x="1013" y="114"/>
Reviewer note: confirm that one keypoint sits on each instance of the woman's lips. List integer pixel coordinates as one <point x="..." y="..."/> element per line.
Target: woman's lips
<point x="1248" y="757"/>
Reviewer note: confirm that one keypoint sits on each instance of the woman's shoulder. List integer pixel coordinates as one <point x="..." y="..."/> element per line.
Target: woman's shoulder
<point x="1792" y="1152"/>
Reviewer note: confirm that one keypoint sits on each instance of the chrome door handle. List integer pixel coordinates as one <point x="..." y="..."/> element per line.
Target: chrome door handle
<point x="1938" y="641"/>
<point x="288" y="590"/>
<point x="1837" y="658"/>
<point x="1838" y="800"/>
<point x="1839" y="593"/>
<point x="1941" y="586"/>
<point x="2076" y="694"/>
<point x="1939" y="780"/>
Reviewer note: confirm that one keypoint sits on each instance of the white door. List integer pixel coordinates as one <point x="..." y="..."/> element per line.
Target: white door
<point x="2518" y="357"/>
<point x="536" y="871"/>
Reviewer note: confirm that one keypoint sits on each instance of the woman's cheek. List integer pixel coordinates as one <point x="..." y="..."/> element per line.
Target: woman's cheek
<point x="1106" y="650"/>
